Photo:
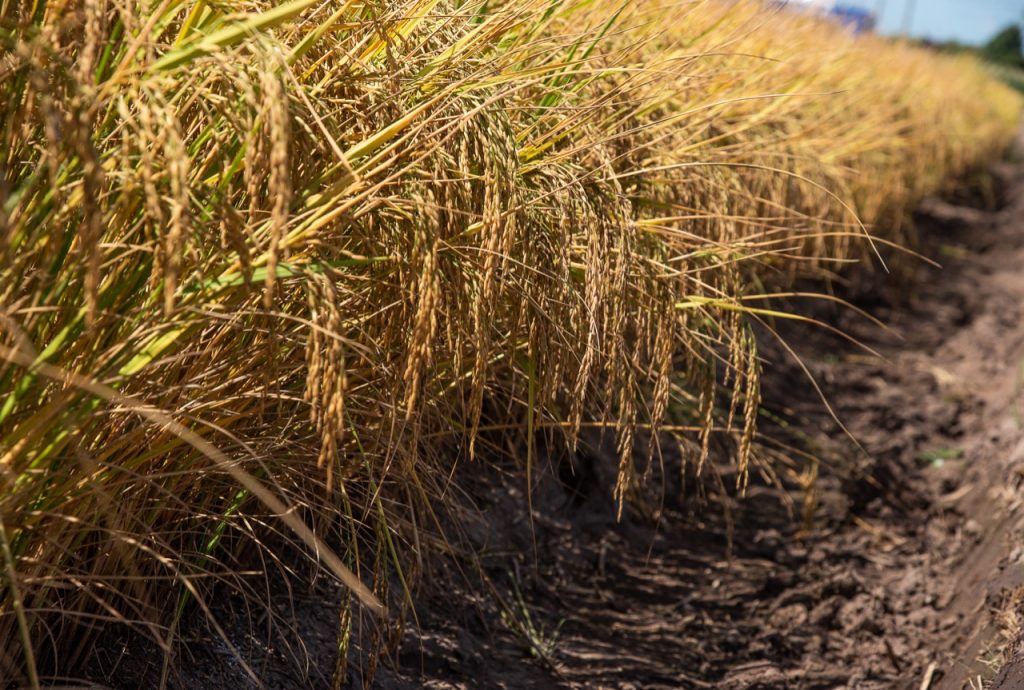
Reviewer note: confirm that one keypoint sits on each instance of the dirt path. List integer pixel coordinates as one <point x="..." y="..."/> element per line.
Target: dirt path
<point x="911" y="574"/>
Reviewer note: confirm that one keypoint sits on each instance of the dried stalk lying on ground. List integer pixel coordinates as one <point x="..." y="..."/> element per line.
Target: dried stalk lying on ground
<point x="309" y="254"/>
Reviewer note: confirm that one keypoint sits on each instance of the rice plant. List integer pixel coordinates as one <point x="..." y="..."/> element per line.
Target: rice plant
<point x="277" y="267"/>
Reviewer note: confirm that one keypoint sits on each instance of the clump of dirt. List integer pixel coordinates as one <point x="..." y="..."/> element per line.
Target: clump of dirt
<point x="898" y="571"/>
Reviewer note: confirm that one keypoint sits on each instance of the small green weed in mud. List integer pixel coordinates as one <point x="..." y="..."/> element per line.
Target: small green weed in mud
<point x="540" y="642"/>
<point x="938" y="457"/>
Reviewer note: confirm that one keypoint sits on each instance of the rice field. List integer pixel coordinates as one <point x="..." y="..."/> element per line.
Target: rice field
<point x="273" y="270"/>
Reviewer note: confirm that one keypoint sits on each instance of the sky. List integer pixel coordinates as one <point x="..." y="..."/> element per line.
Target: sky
<point x="968" y="21"/>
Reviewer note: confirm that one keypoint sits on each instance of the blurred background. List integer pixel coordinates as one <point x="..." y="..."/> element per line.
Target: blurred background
<point x="970" y="22"/>
<point x="990" y="29"/>
<point x="965" y="21"/>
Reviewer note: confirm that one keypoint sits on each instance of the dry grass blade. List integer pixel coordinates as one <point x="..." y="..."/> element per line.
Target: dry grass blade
<point x="243" y="478"/>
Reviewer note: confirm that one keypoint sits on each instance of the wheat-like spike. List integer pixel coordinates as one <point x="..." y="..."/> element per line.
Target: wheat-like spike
<point x="279" y="189"/>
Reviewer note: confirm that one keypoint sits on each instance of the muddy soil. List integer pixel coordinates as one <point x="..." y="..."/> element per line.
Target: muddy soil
<point x="903" y="568"/>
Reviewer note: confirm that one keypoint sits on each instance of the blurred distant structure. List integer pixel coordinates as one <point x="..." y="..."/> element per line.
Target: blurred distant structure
<point x="855" y="17"/>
